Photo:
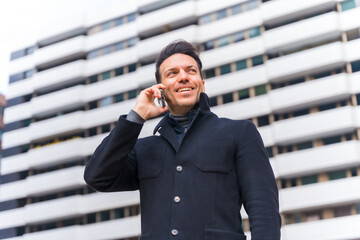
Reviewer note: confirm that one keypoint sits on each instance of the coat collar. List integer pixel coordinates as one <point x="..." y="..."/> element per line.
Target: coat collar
<point x="204" y="106"/>
<point x="167" y="131"/>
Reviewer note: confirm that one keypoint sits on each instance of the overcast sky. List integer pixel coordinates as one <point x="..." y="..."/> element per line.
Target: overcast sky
<point x="24" y="21"/>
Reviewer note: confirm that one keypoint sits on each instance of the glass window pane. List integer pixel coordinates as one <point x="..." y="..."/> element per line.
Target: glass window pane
<point x="337" y="174"/>
<point x="132" y="94"/>
<point x="119" y="213"/>
<point x="239" y="36"/>
<point x="254" y="32"/>
<point x="119" y="71"/>
<point x="118" y="46"/>
<point x="105" y="75"/>
<point x="210" y="73"/>
<point x="93" y="54"/>
<point x="258" y="60"/>
<point x="17" y="54"/>
<point x="304" y="145"/>
<point x="93" y="79"/>
<point x="240" y="65"/>
<point x="30" y="50"/>
<point x="208" y="45"/>
<point x="106" y="25"/>
<point x="331" y="140"/>
<point x="259" y="90"/>
<point x="223" y="41"/>
<point x="221" y="14"/>
<point x="236" y="9"/>
<point x="106" y="101"/>
<point x="224" y="69"/>
<point x="132" y="42"/>
<point x="131" y="17"/>
<point x="119" y="97"/>
<point x="263" y="121"/>
<point x="205" y="19"/>
<point x="132" y="67"/>
<point x="16" y="77"/>
<point x="119" y="21"/>
<point x="106" y="50"/>
<point x="309" y="179"/>
<point x="213" y="101"/>
<point x="29" y="73"/>
<point x="227" y="98"/>
<point x="251" y="4"/>
<point x="355" y="66"/>
<point x="346" y="5"/>
<point x="243" y="94"/>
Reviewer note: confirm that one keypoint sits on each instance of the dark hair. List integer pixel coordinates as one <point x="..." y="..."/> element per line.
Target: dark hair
<point x="177" y="46"/>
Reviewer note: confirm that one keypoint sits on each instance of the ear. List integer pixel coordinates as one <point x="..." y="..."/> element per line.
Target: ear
<point x="203" y="85"/>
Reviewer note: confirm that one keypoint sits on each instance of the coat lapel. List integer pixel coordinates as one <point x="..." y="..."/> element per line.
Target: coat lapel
<point x="167" y="132"/>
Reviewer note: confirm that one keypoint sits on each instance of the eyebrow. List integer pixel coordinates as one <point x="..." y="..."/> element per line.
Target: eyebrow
<point x="174" y="68"/>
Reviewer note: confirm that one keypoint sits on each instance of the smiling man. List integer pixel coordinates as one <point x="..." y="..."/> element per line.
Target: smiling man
<point x="197" y="173"/>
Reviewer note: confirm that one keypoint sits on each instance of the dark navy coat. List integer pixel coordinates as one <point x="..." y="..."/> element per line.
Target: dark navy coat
<point x="193" y="190"/>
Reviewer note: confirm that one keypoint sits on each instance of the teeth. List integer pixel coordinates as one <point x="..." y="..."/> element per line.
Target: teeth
<point x="184" y="89"/>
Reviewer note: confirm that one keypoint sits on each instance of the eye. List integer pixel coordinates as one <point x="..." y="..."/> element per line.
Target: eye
<point x="170" y="74"/>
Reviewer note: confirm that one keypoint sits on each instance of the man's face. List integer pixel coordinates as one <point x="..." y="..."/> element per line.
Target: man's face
<point x="181" y="76"/>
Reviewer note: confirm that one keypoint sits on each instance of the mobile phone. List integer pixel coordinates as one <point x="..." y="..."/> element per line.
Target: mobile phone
<point x="162" y="99"/>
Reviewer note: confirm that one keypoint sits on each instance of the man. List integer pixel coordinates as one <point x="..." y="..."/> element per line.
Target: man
<point x="197" y="173"/>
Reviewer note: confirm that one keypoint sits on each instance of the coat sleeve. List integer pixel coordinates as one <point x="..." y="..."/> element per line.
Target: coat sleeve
<point x="257" y="184"/>
<point x="113" y="165"/>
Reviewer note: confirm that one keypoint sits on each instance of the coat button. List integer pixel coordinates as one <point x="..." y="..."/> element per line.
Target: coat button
<point x="176" y="199"/>
<point x="174" y="232"/>
<point x="179" y="168"/>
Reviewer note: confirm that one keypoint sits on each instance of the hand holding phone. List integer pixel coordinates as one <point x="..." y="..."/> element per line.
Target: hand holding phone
<point x="162" y="99"/>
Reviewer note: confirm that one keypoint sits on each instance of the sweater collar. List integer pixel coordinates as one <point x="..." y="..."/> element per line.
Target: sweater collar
<point x="204" y="106"/>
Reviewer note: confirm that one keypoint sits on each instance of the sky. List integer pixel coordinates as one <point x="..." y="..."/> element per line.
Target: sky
<point x="22" y="22"/>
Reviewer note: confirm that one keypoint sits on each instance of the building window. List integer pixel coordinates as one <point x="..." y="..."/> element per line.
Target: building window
<point x="260" y="90"/>
<point x="208" y="45"/>
<point x="131" y="17"/>
<point x="223" y="41"/>
<point x="355" y="66"/>
<point x="210" y="73"/>
<point x="132" y="42"/>
<point x="105" y="25"/>
<point x="254" y="32"/>
<point x="105" y="101"/>
<point x="304" y="145"/>
<point x="118" y="21"/>
<point x="236" y="9"/>
<point x="221" y="14"/>
<point x="224" y="69"/>
<point x="132" y="94"/>
<point x="252" y="4"/>
<point x="239" y="36"/>
<point x="337" y="174"/>
<point x="132" y="67"/>
<point x="227" y="98"/>
<point x="309" y="179"/>
<point x="240" y="65"/>
<point x="105" y="75"/>
<point x="205" y="19"/>
<point x="243" y="94"/>
<point x="257" y="60"/>
<point x="347" y="5"/>
<point x="119" y="71"/>
<point x="119" y="97"/>
<point x="119" y="46"/>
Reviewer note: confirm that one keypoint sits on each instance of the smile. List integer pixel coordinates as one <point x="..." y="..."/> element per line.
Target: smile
<point x="184" y="89"/>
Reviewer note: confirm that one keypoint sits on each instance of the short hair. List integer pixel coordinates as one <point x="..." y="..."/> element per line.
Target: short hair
<point x="177" y="46"/>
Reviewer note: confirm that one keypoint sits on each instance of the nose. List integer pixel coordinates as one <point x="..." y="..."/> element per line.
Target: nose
<point x="182" y="75"/>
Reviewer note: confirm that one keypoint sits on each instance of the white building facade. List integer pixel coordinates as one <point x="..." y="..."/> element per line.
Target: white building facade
<point x="290" y="66"/>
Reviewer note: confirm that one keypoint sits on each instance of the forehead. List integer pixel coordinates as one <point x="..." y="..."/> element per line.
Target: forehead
<point x="177" y="60"/>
